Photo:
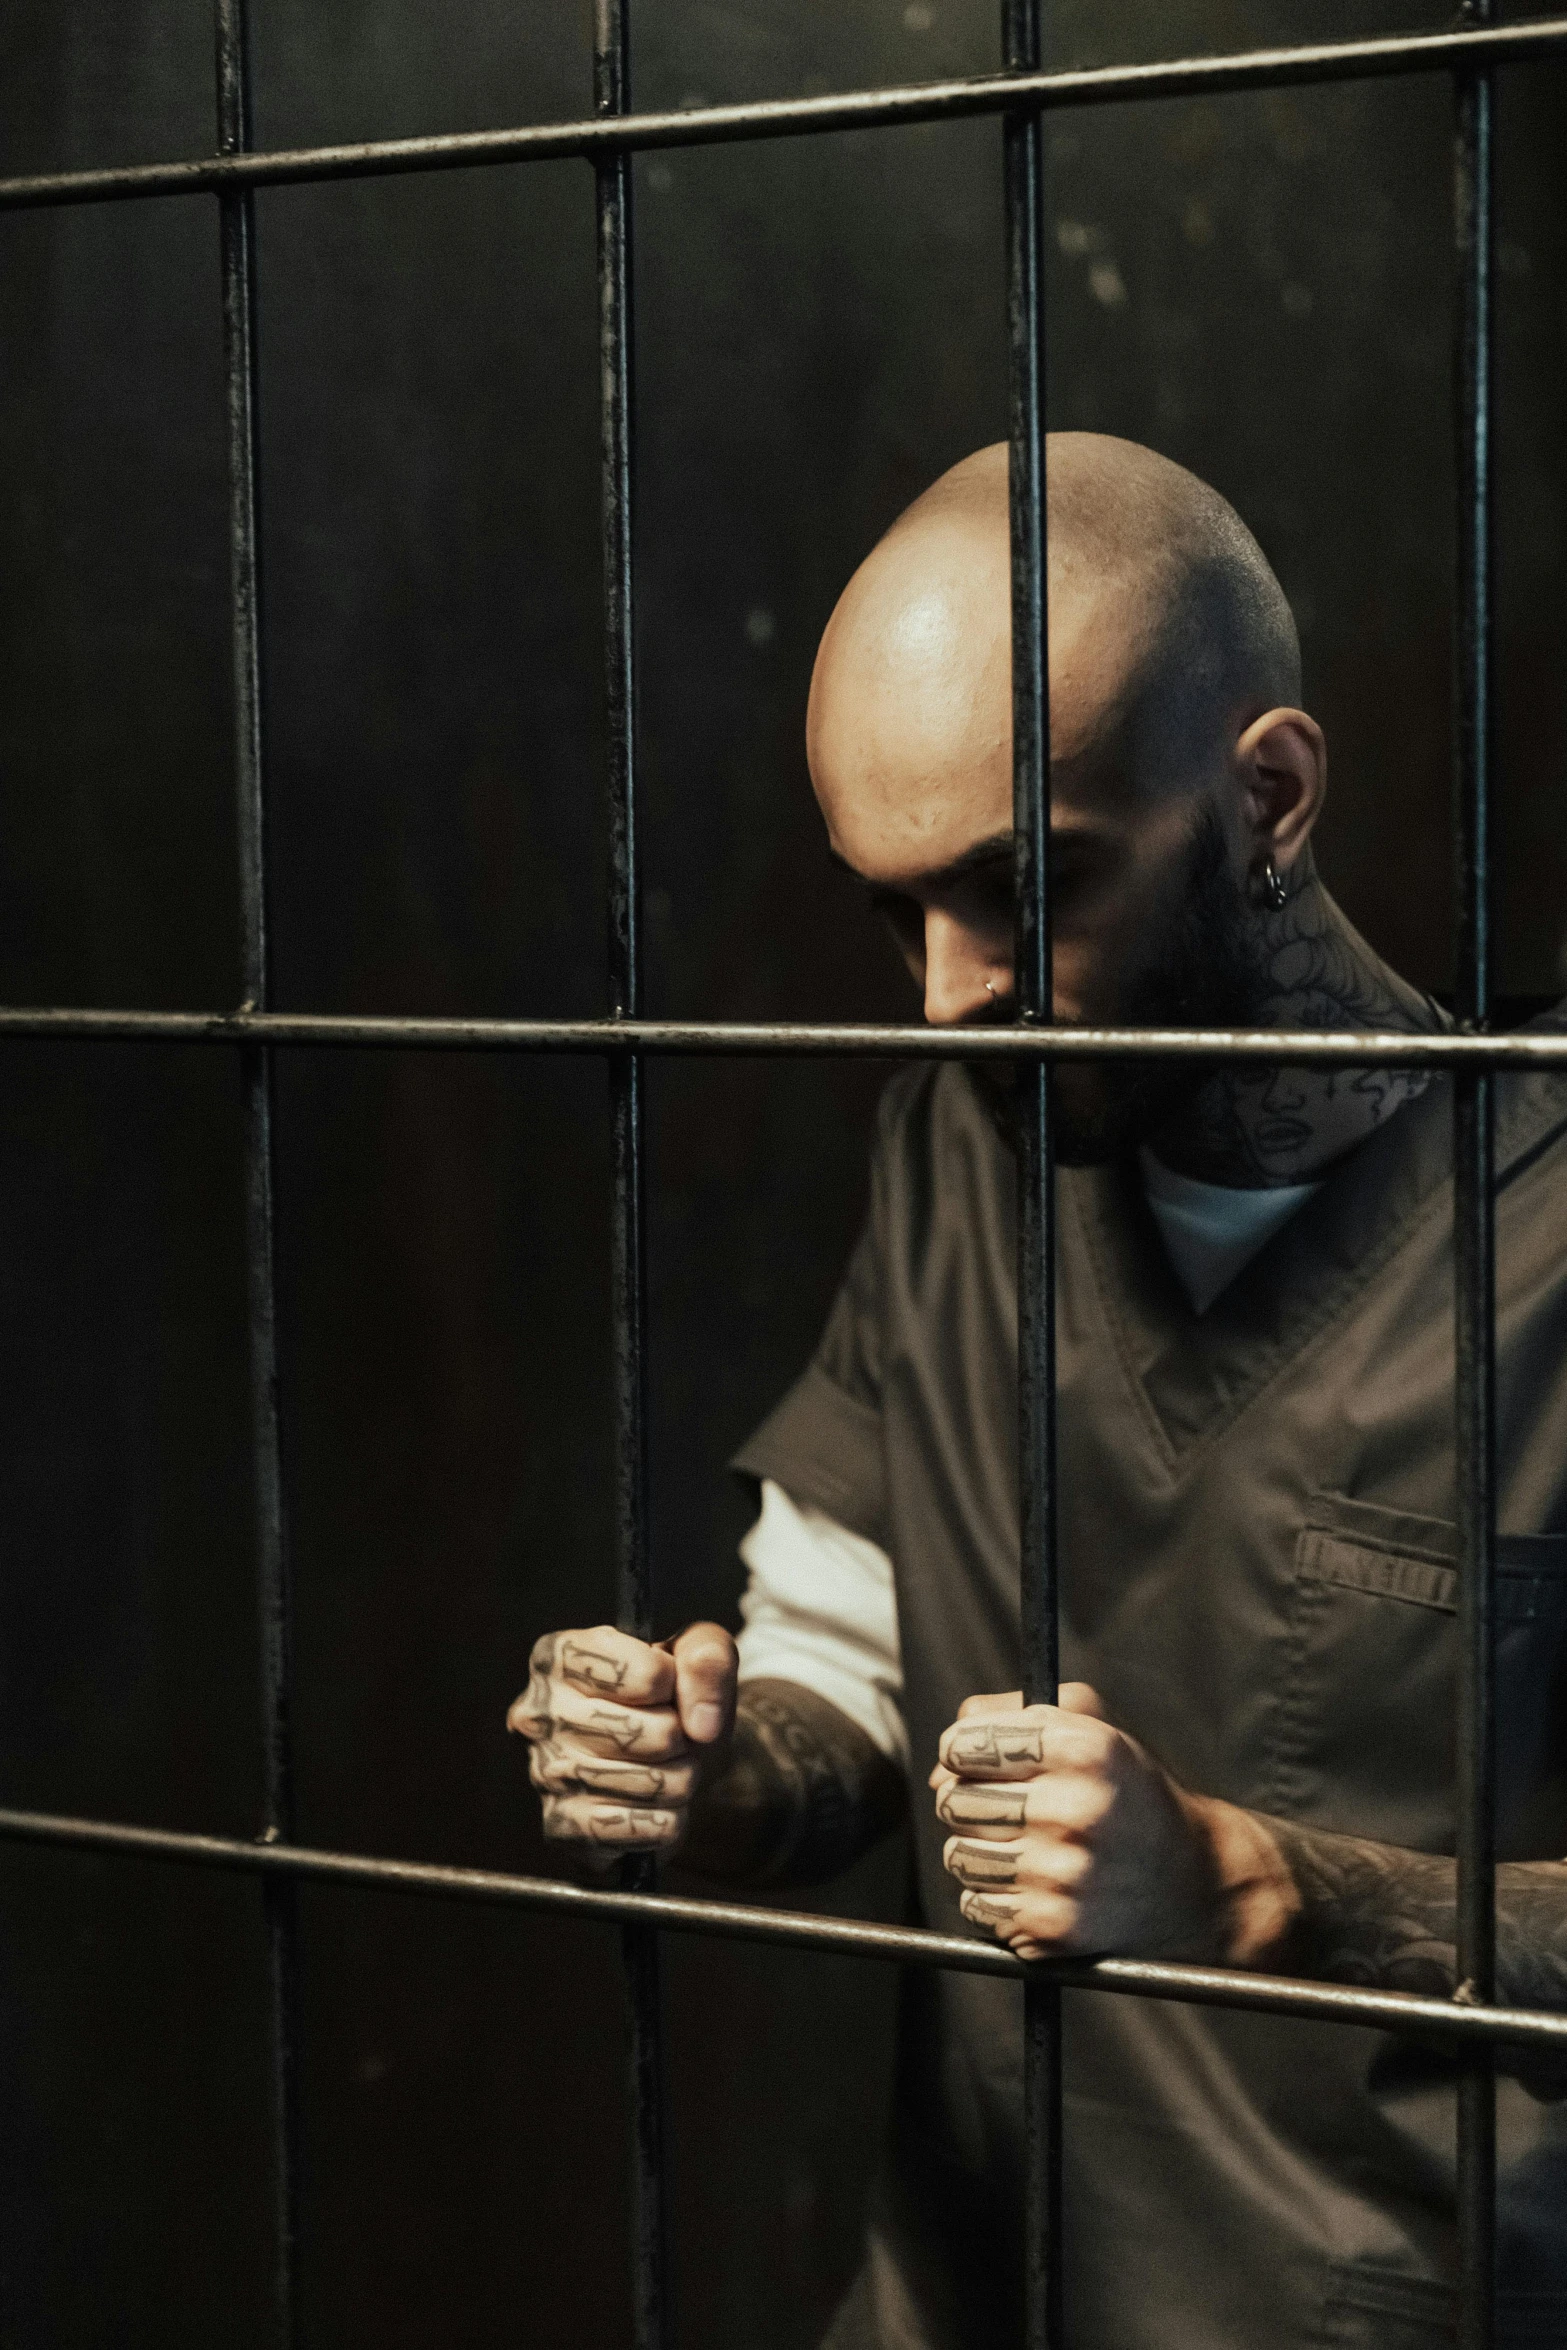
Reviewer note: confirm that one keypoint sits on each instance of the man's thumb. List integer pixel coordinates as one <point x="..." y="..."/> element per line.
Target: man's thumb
<point x="706" y="1667"/>
<point x="1078" y="1698"/>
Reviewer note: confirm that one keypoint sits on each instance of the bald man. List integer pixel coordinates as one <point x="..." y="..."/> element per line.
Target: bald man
<point x="1252" y="1758"/>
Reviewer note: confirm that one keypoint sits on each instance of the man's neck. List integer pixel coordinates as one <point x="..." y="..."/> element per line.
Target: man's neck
<point x="1260" y="1127"/>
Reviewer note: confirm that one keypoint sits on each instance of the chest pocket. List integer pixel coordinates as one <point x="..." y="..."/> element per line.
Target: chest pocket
<point x="1363" y="1732"/>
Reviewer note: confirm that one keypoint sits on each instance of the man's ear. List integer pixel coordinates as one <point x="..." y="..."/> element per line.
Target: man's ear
<point x="1281" y="765"/>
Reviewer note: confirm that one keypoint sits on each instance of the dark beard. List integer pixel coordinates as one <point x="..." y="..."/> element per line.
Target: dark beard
<point x="1203" y="976"/>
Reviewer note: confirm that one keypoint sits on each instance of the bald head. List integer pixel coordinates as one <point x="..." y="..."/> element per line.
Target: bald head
<point x="1168" y="635"/>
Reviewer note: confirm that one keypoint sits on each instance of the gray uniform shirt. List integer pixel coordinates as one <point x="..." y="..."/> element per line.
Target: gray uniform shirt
<point x="1256" y="1526"/>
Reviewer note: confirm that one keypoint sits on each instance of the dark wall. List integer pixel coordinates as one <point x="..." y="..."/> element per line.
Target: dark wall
<point x="1260" y="287"/>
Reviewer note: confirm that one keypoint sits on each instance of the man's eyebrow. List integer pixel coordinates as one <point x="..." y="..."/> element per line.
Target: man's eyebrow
<point x="984" y="852"/>
<point x="1066" y="840"/>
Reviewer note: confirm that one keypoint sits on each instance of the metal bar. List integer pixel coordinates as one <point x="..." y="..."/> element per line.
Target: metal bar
<point x="652" y="2327"/>
<point x="1023" y="172"/>
<point x="1473" y="1224"/>
<point x="742" y="1039"/>
<point x="946" y="101"/>
<point x="1447" y="2021"/>
<point x="238" y="250"/>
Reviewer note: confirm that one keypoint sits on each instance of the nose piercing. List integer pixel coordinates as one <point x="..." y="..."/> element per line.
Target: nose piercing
<point x="990" y="991"/>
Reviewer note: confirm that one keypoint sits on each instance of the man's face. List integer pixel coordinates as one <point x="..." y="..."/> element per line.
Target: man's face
<point x="1148" y="914"/>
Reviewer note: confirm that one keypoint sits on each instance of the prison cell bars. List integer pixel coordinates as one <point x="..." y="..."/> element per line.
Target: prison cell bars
<point x="652" y="2316"/>
<point x="1471" y="2022"/>
<point x="1023" y="172"/>
<point x="1187" y="77"/>
<point x="1474" y="1298"/>
<point x="237" y="229"/>
<point x="1317" y="1048"/>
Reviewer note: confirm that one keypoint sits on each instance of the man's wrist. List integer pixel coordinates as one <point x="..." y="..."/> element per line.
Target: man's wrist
<point x="1256" y="1902"/>
<point x="799" y="1792"/>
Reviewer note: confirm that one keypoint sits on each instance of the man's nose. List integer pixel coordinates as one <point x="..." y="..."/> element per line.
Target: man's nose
<point x="962" y="981"/>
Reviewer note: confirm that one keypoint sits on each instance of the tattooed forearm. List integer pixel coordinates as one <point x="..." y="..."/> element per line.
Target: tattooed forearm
<point x="1376" y="1915"/>
<point x="804" y="1792"/>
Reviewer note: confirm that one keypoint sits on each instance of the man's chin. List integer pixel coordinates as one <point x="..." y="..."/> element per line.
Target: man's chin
<point x="1097" y="1114"/>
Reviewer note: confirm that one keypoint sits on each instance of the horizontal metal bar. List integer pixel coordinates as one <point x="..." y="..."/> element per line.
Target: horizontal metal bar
<point x="1198" y="1986"/>
<point x="1261" y="1047"/>
<point x="781" y="118"/>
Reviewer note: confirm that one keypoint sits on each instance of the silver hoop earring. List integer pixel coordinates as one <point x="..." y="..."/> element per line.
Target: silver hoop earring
<point x="1275" y="889"/>
<point x="990" y="991"/>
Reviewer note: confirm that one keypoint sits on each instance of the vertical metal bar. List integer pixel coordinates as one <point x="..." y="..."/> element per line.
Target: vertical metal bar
<point x="238" y="251"/>
<point x="1473" y="1215"/>
<point x="611" y="95"/>
<point x="1024" y="184"/>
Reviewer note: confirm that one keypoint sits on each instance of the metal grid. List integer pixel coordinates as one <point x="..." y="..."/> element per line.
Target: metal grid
<point x="1471" y="2024"/>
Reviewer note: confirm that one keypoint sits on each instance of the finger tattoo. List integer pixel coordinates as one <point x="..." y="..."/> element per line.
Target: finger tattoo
<point x="983" y="1864"/>
<point x="568" y="1819"/>
<point x="985" y="1909"/>
<point x="591" y="1667"/>
<point x="635" y="1782"/>
<point x="628" y="1827"/>
<point x="983" y="1807"/>
<point x="623" y="1730"/>
<point x="985" y="1746"/>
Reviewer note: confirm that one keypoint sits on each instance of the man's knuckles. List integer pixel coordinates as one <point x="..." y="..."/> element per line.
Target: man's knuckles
<point x="1073" y="1802"/>
<point x="1039" y="1738"/>
<point x="559" y="1767"/>
<point x="978" y="1809"/>
<point x="1035" y="1863"/>
<point x="1036" y="1925"/>
<point x="585" y="1819"/>
<point x="670" y="1783"/>
<point x="598" y="1661"/>
<point x="607" y="1663"/>
<point x="981" y="1866"/>
<point x="643" y="1733"/>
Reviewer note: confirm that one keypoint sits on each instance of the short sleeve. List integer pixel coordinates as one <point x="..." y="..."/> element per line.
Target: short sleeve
<point x="822" y="1443"/>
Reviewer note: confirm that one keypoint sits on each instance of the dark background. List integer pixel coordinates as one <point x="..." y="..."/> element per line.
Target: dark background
<point x="1260" y="287"/>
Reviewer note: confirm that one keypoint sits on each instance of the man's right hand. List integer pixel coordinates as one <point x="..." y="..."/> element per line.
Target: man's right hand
<point x="623" y="1733"/>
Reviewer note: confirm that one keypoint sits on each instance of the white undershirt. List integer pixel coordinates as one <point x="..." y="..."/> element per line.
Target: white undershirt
<point x="819" y="1609"/>
<point x="820" y="1606"/>
<point x="1211" y="1230"/>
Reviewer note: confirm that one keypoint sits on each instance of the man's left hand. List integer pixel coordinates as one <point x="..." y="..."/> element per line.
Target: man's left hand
<point x="1068" y="1836"/>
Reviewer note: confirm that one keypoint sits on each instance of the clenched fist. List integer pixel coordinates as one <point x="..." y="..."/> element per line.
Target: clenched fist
<point x="1068" y="1836"/>
<point x="622" y="1733"/>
